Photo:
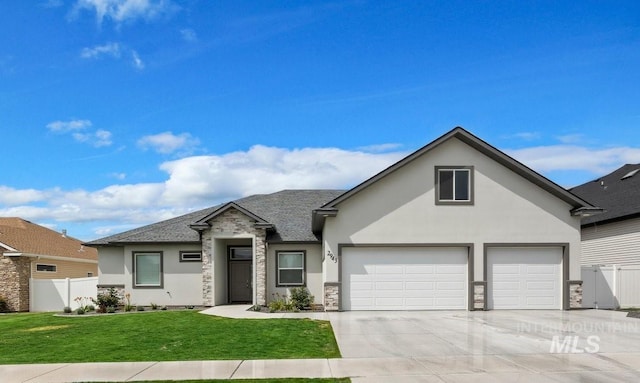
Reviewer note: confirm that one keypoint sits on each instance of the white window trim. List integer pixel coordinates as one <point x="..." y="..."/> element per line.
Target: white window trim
<point x="303" y="269"/>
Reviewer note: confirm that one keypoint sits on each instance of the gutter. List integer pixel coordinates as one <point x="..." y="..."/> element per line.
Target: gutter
<point x="40" y="256"/>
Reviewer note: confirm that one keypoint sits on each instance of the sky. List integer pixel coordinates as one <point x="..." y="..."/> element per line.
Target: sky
<point x="119" y="113"/>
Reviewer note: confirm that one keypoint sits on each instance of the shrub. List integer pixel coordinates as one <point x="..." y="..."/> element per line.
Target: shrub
<point x="301" y="298"/>
<point x="67" y="310"/>
<point x="107" y="300"/>
<point x="153" y="306"/>
<point x="280" y="303"/>
<point x="164" y="308"/>
<point x="4" y="306"/>
<point x="110" y="309"/>
<point x="80" y="311"/>
<point x="140" y="308"/>
<point x="90" y="308"/>
<point x="128" y="307"/>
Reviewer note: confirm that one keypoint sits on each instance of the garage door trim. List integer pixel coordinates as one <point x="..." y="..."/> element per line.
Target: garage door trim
<point x="565" y="265"/>
<point x="468" y="246"/>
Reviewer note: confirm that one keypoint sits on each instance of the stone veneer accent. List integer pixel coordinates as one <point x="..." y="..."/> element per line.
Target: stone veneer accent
<point x="575" y="294"/>
<point x="14" y="282"/>
<point x="332" y="296"/>
<point x="479" y="295"/>
<point x="236" y="224"/>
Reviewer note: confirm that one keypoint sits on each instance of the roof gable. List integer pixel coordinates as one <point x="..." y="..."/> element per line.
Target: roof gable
<point x="463" y="135"/>
<point x="23" y="237"/>
<point x="618" y="193"/>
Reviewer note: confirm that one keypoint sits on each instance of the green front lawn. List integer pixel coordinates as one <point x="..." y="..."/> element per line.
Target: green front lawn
<point x="159" y="336"/>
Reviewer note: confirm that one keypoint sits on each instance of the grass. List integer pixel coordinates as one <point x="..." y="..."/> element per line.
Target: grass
<point x="159" y="336"/>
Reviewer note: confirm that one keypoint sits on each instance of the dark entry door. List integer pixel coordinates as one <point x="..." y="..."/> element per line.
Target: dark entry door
<point x="240" y="290"/>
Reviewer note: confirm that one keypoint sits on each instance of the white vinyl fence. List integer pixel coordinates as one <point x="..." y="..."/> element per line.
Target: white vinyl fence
<point x="55" y="294"/>
<point x="611" y="286"/>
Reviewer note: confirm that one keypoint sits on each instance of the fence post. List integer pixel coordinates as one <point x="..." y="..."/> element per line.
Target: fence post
<point x="67" y="285"/>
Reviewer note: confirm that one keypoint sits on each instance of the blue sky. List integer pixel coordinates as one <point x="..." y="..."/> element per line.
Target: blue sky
<point x="118" y="113"/>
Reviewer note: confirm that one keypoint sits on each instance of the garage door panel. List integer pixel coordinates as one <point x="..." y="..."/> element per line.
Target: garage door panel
<point x="404" y="278"/>
<point x="524" y="278"/>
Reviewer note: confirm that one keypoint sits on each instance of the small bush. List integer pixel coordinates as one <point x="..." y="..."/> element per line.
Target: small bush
<point x="80" y="311"/>
<point x="110" y="310"/>
<point x="301" y="298"/>
<point x="280" y="303"/>
<point x="90" y="308"/>
<point x="109" y="299"/>
<point x="164" y="308"/>
<point x="67" y="310"/>
<point x="153" y="306"/>
<point x="140" y="308"/>
<point x="4" y="306"/>
<point x="128" y="307"/>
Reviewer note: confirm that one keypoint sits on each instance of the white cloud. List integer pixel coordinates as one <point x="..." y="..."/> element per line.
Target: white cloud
<point x="108" y="49"/>
<point x="11" y="196"/>
<point x="167" y="142"/>
<point x="380" y="148"/>
<point x="264" y="169"/>
<point x="120" y="11"/>
<point x="77" y="130"/>
<point x="189" y="35"/>
<point x="572" y="157"/>
<point x="570" y="138"/>
<point x="136" y="60"/>
<point x="99" y="138"/>
<point x="68" y="126"/>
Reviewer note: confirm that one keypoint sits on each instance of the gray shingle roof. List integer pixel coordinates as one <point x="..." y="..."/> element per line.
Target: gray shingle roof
<point x="620" y="198"/>
<point x="288" y="210"/>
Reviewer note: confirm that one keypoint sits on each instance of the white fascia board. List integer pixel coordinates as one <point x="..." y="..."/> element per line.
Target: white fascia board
<point x="55" y="257"/>
<point x="8" y="247"/>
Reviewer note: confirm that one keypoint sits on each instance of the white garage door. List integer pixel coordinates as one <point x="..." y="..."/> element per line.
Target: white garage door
<point x="524" y="278"/>
<point x="404" y="278"/>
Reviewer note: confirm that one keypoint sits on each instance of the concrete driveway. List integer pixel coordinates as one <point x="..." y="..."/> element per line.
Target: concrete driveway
<point x="589" y="345"/>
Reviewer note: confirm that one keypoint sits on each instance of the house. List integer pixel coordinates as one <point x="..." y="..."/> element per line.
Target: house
<point x="30" y="251"/>
<point x="612" y="237"/>
<point x="456" y="225"/>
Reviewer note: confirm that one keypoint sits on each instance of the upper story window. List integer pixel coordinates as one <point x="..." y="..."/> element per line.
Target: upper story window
<point x="454" y="185"/>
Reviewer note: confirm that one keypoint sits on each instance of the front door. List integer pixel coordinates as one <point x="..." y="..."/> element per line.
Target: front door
<point x="240" y="275"/>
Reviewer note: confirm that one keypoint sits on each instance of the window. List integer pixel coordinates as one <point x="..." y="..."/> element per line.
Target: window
<point x="190" y="256"/>
<point x="454" y="185"/>
<point x="147" y="269"/>
<point x="241" y="253"/>
<point x="46" y="268"/>
<point x="290" y="268"/>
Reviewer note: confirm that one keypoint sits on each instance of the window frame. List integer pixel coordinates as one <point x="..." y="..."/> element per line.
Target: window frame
<point x="454" y="201"/>
<point x="134" y="284"/>
<point x="55" y="268"/>
<point x="303" y="270"/>
<point x="199" y="253"/>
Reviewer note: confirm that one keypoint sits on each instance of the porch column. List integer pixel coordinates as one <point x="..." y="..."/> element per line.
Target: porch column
<point x="261" y="267"/>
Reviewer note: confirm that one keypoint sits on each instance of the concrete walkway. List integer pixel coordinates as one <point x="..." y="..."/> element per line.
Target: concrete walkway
<point x="486" y="364"/>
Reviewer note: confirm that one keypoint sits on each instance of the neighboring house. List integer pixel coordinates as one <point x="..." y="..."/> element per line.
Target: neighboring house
<point x="29" y="251"/>
<point x="456" y="225"/>
<point x="612" y="237"/>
